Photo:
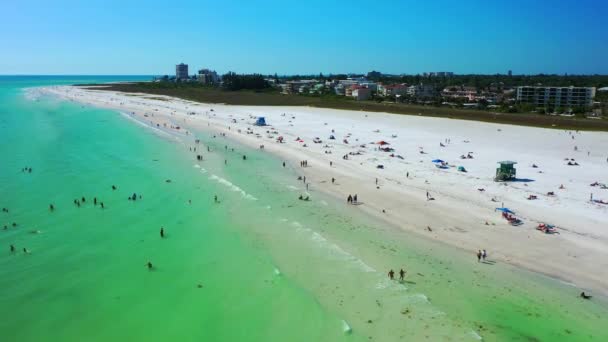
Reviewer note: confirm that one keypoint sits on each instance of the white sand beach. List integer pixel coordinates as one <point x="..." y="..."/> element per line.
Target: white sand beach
<point x="463" y="211"/>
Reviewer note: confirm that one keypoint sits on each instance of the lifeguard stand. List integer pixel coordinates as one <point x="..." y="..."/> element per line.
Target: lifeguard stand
<point x="506" y="171"/>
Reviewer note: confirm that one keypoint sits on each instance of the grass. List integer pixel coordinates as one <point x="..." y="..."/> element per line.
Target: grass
<point x="273" y="98"/>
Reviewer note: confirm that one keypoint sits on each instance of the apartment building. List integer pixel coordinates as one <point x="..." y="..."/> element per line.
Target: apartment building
<point x="181" y="72"/>
<point x="557" y="97"/>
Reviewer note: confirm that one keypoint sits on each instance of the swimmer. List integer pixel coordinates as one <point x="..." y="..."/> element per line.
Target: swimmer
<point x="94" y="200"/>
<point x="25" y="251"/>
<point x="215" y="199"/>
<point x="12" y="248"/>
<point x="149" y="265"/>
<point x="51" y="207"/>
<point x="83" y="199"/>
<point x="162" y="232"/>
<point x="102" y="207"/>
<point x="113" y="187"/>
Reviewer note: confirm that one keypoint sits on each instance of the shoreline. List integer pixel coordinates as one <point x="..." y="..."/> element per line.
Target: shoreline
<point x="445" y="214"/>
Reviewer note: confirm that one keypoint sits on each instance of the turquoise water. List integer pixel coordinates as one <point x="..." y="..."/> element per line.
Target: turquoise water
<point x="257" y="266"/>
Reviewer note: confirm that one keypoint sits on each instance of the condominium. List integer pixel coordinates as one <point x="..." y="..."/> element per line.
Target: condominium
<point x="181" y="72"/>
<point x="557" y="97"/>
<point x="206" y="76"/>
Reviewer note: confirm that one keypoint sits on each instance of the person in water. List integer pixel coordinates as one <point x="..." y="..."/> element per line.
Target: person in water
<point x="401" y="274"/>
<point x="162" y="232"/>
<point x="113" y="187"/>
<point x="391" y="274"/>
<point x="51" y="207"/>
<point x="215" y="199"/>
<point x="102" y="207"/>
<point x="149" y="265"/>
<point x="12" y="248"/>
<point x="94" y="200"/>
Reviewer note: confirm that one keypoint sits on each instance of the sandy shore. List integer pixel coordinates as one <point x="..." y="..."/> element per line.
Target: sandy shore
<point x="461" y="214"/>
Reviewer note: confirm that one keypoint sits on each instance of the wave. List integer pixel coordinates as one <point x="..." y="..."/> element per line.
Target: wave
<point x="232" y="187"/>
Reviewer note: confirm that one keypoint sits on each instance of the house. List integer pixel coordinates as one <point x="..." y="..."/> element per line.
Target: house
<point x="421" y="91"/>
<point x="392" y="90"/>
<point x="361" y="93"/>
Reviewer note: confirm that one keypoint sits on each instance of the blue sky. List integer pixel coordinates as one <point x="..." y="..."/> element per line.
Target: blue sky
<point x="288" y="37"/>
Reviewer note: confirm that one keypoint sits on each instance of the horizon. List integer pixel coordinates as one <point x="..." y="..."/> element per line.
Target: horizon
<point x="295" y="39"/>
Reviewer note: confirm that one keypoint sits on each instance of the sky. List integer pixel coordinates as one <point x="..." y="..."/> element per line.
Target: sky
<point x="303" y="37"/>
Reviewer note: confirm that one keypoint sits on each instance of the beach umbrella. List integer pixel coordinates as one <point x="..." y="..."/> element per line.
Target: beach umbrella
<point x="382" y="142"/>
<point x="505" y="210"/>
<point x="438" y="161"/>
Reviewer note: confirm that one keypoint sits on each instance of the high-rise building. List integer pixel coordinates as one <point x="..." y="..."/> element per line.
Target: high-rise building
<point x="556" y="97"/>
<point x="181" y="72"/>
<point x="207" y="76"/>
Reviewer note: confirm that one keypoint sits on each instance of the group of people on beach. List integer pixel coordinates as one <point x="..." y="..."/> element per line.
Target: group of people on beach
<point x="482" y="255"/>
<point x="27" y="169"/>
<point x="391" y="274"/>
<point x="351" y="199"/>
<point x="303" y="163"/>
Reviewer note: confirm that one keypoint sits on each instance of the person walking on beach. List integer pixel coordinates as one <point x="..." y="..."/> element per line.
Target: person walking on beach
<point x="333" y="180"/>
<point x="484" y="254"/>
<point x="355" y="198"/>
<point x="401" y="275"/>
<point x="349" y="199"/>
<point x="478" y="256"/>
<point x="391" y="274"/>
<point x="427" y="195"/>
<point x="162" y="232"/>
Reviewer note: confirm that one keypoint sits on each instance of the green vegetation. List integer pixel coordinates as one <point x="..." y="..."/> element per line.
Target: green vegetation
<point x="233" y="81"/>
<point x="270" y="97"/>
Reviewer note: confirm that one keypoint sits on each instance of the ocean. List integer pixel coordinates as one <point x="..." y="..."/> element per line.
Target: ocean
<point x="256" y="265"/>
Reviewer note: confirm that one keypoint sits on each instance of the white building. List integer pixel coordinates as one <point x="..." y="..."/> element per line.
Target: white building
<point x="181" y="72"/>
<point x="557" y="97"/>
<point x="392" y="89"/>
<point x="207" y="76"/>
<point x="421" y="91"/>
<point x="361" y="93"/>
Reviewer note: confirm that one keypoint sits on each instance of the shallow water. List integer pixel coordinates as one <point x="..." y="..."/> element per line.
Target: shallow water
<point x="258" y="266"/>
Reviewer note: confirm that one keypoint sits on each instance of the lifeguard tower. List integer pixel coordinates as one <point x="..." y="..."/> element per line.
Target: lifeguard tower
<point x="506" y="171"/>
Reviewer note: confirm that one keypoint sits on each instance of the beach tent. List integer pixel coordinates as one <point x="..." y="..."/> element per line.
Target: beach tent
<point x="260" y="121"/>
<point x="462" y="169"/>
<point x="505" y="210"/>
